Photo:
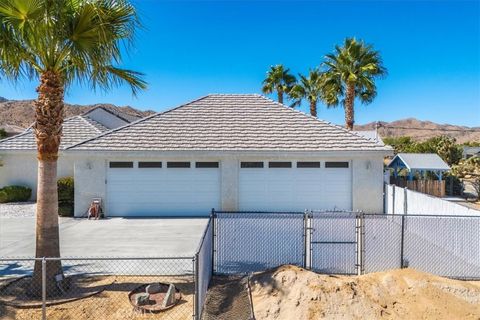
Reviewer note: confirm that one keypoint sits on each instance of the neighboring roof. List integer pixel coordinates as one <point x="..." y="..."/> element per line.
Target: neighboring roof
<point x="371" y="135"/>
<point x="75" y="130"/>
<point x="419" y="161"/>
<point x="231" y="122"/>
<point x="471" y="150"/>
<point x="115" y="111"/>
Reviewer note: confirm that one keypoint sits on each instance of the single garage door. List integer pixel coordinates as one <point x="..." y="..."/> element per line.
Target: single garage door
<point x="155" y="188"/>
<point x="295" y="186"/>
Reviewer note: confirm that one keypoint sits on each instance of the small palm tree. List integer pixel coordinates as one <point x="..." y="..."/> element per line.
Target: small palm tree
<point x="279" y="80"/>
<point x="60" y="42"/>
<point x="350" y="73"/>
<point x="309" y="88"/>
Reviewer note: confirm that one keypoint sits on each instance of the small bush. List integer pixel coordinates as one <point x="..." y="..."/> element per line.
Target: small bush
<point x="66" y="189"/>
<point x="15" y="194"/>
<point x="66" y="193"/>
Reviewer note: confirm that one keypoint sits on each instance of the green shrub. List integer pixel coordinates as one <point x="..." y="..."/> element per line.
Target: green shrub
<point x="66" y="189"/>
<point x="66" y="193"/>
<point x="15" y="194"/>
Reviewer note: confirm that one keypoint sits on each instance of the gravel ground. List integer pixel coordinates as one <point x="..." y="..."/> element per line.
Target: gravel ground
<point x="17" y="209"/>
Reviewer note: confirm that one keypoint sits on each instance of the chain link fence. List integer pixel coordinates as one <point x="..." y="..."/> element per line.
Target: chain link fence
<point x="347" y="242"/>
<point x="107" y="288"/>
<point x="254" y="241"/>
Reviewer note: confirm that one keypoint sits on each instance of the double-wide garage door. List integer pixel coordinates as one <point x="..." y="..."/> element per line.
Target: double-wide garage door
<point x="194" y="188"/>
<point x="295" y="186"/>
<point x="162" y="189"/>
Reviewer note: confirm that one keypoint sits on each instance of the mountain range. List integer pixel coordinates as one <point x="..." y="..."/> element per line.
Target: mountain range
<point x="16" y="115"/>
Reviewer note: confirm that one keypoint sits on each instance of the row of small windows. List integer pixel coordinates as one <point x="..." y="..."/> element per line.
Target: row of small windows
<point x="251" y="164"/>
<point x="300" y="164"/>
<point x="158" y="164"/>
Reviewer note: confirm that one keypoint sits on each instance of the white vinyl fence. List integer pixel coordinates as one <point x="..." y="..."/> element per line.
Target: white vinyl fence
<point x="403" y="201"/>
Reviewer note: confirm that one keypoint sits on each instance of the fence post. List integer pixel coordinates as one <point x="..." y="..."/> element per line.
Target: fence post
<point x="359" y="234"/>
<point x="402" y="243"/>
<point x="307" y="256"/>
<point x="213" y="217"/>
<point x="196" y="295"/>
<point x="405" y="204"/>
<point x="44" y="289"/>
<point x="393" y="199"/>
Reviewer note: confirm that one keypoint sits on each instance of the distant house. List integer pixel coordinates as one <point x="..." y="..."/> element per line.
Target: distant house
<point x="418" y="168"/>
<point x="470" y="152"/>
<point x="18" y="161"/>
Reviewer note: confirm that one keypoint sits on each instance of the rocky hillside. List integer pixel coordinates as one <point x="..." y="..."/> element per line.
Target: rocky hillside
<point x="422" y="130"/>
<point x="18" y="114"/>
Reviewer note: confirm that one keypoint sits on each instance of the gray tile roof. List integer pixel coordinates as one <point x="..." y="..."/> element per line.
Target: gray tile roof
<point x="115" y="111"/>
<point x="231" y="123"/>
<point x="75" y="130"/>
<point x="420" y="161"/>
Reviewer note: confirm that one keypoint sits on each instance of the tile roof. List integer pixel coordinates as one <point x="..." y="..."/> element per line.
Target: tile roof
<point x="231" y="123"/>
<point x="115" y="111"/>
<point x="75" y="130"/>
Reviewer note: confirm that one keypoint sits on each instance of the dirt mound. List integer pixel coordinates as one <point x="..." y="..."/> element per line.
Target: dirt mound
<point x="290" y="292"/>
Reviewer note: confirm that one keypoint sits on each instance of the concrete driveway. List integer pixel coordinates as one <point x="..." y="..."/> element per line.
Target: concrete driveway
<point x="113" y="237"/>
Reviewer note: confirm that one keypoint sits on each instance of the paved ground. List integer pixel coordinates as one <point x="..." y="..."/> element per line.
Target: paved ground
<point x="114" y="237"/>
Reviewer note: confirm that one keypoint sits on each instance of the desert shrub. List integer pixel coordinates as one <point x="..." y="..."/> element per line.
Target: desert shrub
<point x="66" y="192"/>
<point x="15" y="194"/>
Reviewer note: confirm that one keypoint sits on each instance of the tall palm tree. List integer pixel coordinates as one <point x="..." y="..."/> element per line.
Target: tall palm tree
<point x="350" y="73"/>
<point x="280" y="80"/>
<point x="309" y="88"/>
<point x="57" y="43"/>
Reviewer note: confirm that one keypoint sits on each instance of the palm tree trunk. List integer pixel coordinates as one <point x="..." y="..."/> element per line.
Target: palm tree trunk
<point x="313" y="108"/>
<point x="280" y="96"/>
<point x="349" y="112"/>
<point x="48" y="131"/>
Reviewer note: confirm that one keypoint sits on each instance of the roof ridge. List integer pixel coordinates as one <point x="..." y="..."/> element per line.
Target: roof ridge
<point x="90" y="124"/>
<point x="134" y="122"/>
<point x="322" y="121"/>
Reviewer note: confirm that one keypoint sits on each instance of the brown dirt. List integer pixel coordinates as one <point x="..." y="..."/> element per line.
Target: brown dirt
<point x="112" y="303"/>
<point x="290" y="292"/>
<point x="227" y="299"/>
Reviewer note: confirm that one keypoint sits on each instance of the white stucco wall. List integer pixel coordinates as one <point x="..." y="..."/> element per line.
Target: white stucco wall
<point x="21" y="169"/>
<point x="367" y="175"/>
<point x="107" y="119"/>
<point x="90" y="178"/>
<point x="367" y="184"/>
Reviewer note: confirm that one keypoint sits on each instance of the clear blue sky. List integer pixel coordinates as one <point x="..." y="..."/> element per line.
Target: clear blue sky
<point x="189" y="49"/>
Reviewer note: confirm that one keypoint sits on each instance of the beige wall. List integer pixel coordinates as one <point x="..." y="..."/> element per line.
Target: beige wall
<point x="21" y="169"/>
<point x="367" y="176"/>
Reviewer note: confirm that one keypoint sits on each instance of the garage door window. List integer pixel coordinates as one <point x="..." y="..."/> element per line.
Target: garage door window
<point x="206" y="164"/>
<point x="251" y="165"/>
<point x="121" y="164"/>
<point x="336" y="164"/>
<point x="178" y="164"/>
<point x="279" y="164"/>
<point x="308" y="164"/>
<point x="149" y="164"/>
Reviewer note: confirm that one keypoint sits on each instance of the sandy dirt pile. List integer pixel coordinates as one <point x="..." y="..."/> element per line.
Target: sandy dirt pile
<point x="290" y="292"/>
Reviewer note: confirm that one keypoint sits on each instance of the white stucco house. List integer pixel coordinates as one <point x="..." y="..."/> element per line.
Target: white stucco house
<point x="228" y="152"/>
<point x="18" y="161"/>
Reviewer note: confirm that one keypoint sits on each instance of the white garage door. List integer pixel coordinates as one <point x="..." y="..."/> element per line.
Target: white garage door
<point x="295" y="186"/>
<point x="162" y="189"/>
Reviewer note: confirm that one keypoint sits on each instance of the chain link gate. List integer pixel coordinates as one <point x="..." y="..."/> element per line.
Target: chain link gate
<point x="336" y="242"/>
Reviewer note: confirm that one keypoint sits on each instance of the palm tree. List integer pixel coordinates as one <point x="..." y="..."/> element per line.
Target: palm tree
<point x="350" y="73"/>
<point x="60" y="42"/>
<point x="280" y="80"/>
<point x="309" y="88"/>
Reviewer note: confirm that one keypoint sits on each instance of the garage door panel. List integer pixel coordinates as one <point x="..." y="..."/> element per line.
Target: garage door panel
<point x="295" y="189"/>
<point x="162" y="191"/>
